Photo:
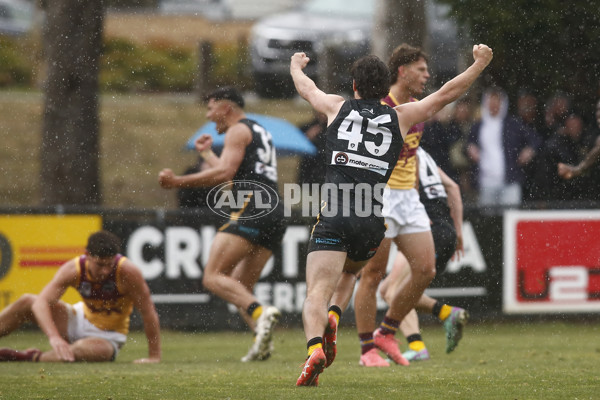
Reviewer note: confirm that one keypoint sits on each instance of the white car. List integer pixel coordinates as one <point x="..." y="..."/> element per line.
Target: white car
<point x="344" y="24"/>
<point x="16" y="17"/>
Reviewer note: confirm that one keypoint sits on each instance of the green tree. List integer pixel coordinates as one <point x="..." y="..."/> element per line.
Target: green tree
<point x="543" y="45"/>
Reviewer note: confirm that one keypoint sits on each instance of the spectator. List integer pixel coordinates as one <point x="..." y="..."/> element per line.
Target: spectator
<point x="462" y="119"/>
<point x="311" y="166"/>
<point x="500" y="146"/>
<point x="567" y="171"/>
<point x="527" y="113"/>
<point x="193" y="197"/>
<point x="440" y="134"/>
<point x="567" y="145"/>
<point x="556" y="113"/>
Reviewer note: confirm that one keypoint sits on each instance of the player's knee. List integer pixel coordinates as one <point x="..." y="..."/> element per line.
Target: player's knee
<point x="371" y="278"/>
<point x="94" y="350"/>
<point x="26" y="301"/>
<point x="423" y="276"/>
<point x="429" y="274"/>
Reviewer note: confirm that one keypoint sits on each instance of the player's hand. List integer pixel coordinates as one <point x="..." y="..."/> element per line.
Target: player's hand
<point x="299" y="60"/>
<point x="204" y="142"/>
<point x="166" y="178"/>
<point x="62" y="349"/>
<point x="150" y="360"/>
<point x="482" y="53"/>
<point x="459" y="252"/>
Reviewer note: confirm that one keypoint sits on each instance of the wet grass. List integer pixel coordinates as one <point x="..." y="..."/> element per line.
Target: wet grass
<point x="542" y="360"/>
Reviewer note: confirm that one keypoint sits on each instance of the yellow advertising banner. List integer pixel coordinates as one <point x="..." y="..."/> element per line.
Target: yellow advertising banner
<point x="33" y="247"/>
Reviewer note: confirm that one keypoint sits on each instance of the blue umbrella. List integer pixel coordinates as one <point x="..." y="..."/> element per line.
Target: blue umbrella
<point x="287" y="138"/>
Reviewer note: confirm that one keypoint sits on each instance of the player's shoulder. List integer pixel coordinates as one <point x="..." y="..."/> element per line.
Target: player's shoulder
<point x="128" y="267"/>
<point x="240" y="131"/>
<point x="68" y="272"/>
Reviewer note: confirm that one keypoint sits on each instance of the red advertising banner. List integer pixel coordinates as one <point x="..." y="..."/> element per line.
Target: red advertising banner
<point x="551" y="261"/>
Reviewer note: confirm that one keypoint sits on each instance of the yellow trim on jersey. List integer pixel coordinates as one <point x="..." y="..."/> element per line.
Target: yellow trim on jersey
<point x="109" y="315"/>
<point x="318" y="217"/>
<point x="404" y="175"/>
<point x="394" y="99"/>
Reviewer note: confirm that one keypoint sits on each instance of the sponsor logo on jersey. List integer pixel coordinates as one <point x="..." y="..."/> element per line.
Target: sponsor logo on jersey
<point x="358" y="161"/>
<point x="340" y="158"/>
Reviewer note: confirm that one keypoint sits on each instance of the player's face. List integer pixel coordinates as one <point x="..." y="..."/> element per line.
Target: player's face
<point x="416" y="75"/>
<point x="216" y="111"/>
<point x="100" y="267"/>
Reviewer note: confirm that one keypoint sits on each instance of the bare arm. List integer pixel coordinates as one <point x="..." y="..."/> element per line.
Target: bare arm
<point x="567" y="171"/>
<point x="328" y="104"/>
<point x="203" y="146"/>
<point x="66" y="276"/>
<point x="236" y="139"/>
<point x="410" y="114"/>
<point x="137" y="289"/>
<point x="456" y="210"/>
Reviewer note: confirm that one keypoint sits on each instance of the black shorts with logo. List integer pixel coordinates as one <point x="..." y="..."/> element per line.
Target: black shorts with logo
<point x="359" y="237"/>
<point x="266" y="231"/>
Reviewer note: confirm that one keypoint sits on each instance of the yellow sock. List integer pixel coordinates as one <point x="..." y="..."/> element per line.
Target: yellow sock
<point x="444" y="312"/>
<point x="256" y="313"/>
<point x="417" y="345"/>
<point x="314" y="347"/>
<point x="336" y="316"/>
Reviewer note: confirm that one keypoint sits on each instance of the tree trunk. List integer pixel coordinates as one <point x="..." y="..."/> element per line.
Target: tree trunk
<point x="70" y="141"/>
<point x="397" y="22"/>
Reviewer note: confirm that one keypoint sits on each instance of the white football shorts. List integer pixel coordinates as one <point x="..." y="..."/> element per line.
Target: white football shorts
<point x="403" y="212"/>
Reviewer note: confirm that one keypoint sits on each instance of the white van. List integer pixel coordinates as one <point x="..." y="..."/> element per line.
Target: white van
<point x="16" y="17"/>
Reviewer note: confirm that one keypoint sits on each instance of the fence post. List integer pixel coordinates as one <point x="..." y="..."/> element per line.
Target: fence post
<point x="326" y="69"/>
<point x="203" y="78"/>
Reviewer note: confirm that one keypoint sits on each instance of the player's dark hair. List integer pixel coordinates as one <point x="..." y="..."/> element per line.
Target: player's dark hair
<point x="103" y="244"/>
<point x="227" y="93"/>
<point x="371" y="77"/>
<point x="403" y="55"/>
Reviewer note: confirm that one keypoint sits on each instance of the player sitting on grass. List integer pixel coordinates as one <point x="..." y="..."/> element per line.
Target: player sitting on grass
<point x="95" y="328"/>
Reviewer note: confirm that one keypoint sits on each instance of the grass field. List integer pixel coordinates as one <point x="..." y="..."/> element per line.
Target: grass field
<point x="542" y="360"/>
<point x="180" y="30"/>
<point x="139" y="135"/>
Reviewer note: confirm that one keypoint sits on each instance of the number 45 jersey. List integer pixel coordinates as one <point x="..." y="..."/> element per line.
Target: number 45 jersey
<point x="363" y="145"/>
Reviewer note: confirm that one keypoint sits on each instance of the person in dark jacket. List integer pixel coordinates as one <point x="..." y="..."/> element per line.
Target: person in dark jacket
<point x="568" y="145"/>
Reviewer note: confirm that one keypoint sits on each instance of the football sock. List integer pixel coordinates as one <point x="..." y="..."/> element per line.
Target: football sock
<point x="336" y="312"/>
<point x="444" y="312"/>
<point x="389" y="326"/>
<point x="366" y="342"/>
<point x="313" y="344"/>
<point x="415" y="342"/>
<point x="254" y="310"/>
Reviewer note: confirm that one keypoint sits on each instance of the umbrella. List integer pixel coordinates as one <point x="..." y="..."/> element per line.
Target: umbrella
<point x="287" y="138"/>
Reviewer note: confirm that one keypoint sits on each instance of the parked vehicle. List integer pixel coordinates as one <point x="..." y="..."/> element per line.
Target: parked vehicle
<point x="16" y="17"/>
<point x="343" y="24"/>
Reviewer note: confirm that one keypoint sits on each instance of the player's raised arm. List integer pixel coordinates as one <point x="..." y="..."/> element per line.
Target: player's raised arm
<point x="328" y="104"/>
<point x="410" y="114"/>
